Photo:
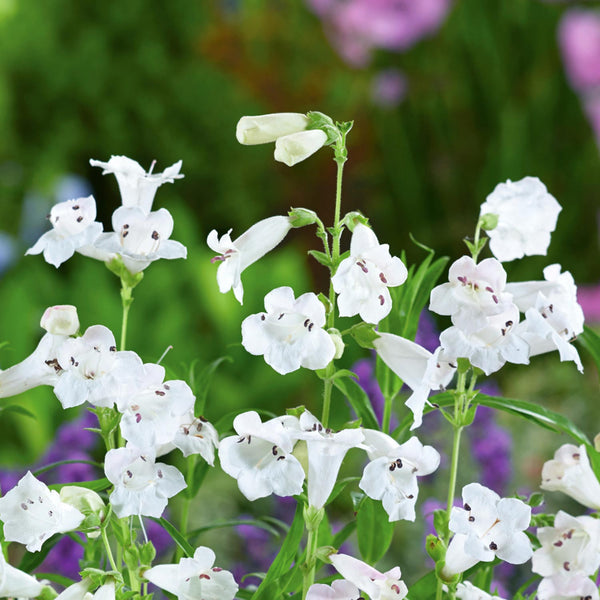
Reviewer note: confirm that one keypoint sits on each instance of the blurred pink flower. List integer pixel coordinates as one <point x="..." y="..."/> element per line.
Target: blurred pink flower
<point x="589" y="299"/>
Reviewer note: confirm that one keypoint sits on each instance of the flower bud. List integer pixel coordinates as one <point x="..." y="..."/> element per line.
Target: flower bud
<point x="293" y="148"/>
<point x="489" y="221"/>
<point x="338" y="342"/>
<point x="300" y="217"/>
<point x="60" y="320"/>
<point x="87" y="502"/>
<point x="263" y="129"/>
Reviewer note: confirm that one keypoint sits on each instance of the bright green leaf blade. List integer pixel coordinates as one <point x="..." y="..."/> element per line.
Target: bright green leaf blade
<point x="374" y="530"/>
<point x="359" y="400"/>
<point x="201" y="383"/>
<point x="177" y="536"/>
<point x="590" y="340"/>
<point x="235" y="523"/>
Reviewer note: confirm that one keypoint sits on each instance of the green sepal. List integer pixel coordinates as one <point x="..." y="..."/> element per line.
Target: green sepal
<point x="321" y="258"/>
<point x="326" y="303"/>
<point x="536" y="499"/>
<point x="47" y="593"/>
<point x="469" y="416"/>
<point x="488" y="221"/>
<point x="462" y="365"/>
<point x="440" y="522"/>
<point x="147" y="554"/>
<point x="324" y="552"/>
<point x="364" y="335"/>
<point x="301" y="217"/>
<point x="435" y="547"/>
<point x="98" y="577"/>
<point x="318" y="120"/>
<point x="542" y="520"/>
<point x="128" y="279"/>
<point x="475" y="249"/>
<point x="352" y="219"/>
<point x="312" y="517"/>
<point x="296" y="411"/>
<point x="131" y="557"/>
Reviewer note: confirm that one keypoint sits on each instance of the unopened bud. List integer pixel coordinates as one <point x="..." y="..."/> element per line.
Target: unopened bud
<point x="88" y="503"/>
<point x="488" y="221"/>
<point x="60" y="320"/>
<point x="338" y="342"/>
<point x="300" y="217"/>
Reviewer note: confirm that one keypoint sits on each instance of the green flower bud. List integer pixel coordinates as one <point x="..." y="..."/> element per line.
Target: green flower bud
<point x="488" y="221"/>
<point x="300" y="217"/>
<point x="338" y="342"/>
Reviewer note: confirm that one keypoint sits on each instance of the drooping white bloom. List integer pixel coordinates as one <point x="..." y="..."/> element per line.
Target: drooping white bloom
<point x="15" y="583"/>
<point x="196" y="435"/>
<point x="195" y="578"/>
<point x="73" y="227"/>
<point x="263" y="129"/>
<point x="571" y="546"/>
<point x="136" y="186"/>
<point x="32" y="513"/>
<point x="418" y="368"/>
<point x="467" y="591"/>
<point x="362" y="279"/>
<point x="567" y="587"/>
<point x="142" y="486"/>
<point x="527" y="215"/>
<point x="80" y="591"/>
<point x="260" y="456"/>
<point x="570" y="472"/>
<point x="290" y="333"/>
<point x="379" y="586"/>
<point x="340" y="589"/>
<point x="326" y="450"/>
<point x="60" y="320"/>
<point x="141" y="238"/>
<point x="391" y="476"/>
<point x="487" y="526"/>
<point x="294" y="148"/>
<point x="473" y="293"/>
<point x="252" y="245"/>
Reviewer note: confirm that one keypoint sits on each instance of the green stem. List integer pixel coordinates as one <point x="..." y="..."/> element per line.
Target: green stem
<point x="111" y="560"/>
<point x="387" y="414"/>
<point x="185" y="509"/>
<point x="126" y="300"/>
<point x="312" y="519"/>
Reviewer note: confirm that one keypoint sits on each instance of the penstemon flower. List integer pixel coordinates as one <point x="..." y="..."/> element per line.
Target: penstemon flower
<point x="296" y="147"/>
<point x="527" y="214"/>
<point x="32" y="513"/>
<point x="195" y="435"/>
<point x="237" y="255"/>
<point x="362" y="279"/>
<point x="467" y="591"/>
<point x="137" y="187"/>
<point x="340" y="589"/>
<point x="290" y="333"/>
<point x="80" y="591"/>
<point x="14" y="583"/>
<point x="194" y="578"/>
<point x="567" y="587"/>
<point x="263" y="129"/>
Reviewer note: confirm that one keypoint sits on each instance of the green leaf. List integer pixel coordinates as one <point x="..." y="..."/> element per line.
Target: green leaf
<point x="201" y="384"/>
<point x="374" y="530"/>
<point x="200" y="471"/>
<point x="17" y="410"/>
<point x="96" y="485"/>
<point x="343" y="534"/>
<point x="53" y="465"/>
<point x="177" y="536"/>
<point x="364" y="335"/>
<point x="32" y="560"/>
<point x="321" y="258"/>
<point x="261" y="524"/>
<point x="338" y="488"/>
<point x="424" y="588"/>
<point x="359" y="401"/>
<point x="590" y="340"/>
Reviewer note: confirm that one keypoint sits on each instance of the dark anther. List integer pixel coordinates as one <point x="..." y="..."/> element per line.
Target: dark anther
<point x="217" y="569"/>
<point x="503" y="331"/>
<point x="381" y="300"/>
<point x="143" y="457"/>
<point x="462" y="279"/>
<point x="310" y="326"/>
<point x="249" y="438"/>
<point x="241" y="440"/>
<point x="262" y="317"/>
<point x="113" y="348"/>
<point x="167" y="387"/>
<point x="471" y="518"/>
<point x="509" y="323"/>
<point x="75" y="207"/>
<point x="489" y="289"/>
<point x="159" y="393"/>
<point x="203" y="576"/>
<point x="493" y="546"/>
<point x="398" y="463"/>
<point x="576" y="456"/>
<point x="138" y="417"/>
<point x="79" y="219"/>
<point x="155" y="235"/>
<point x="467" y="507"/>
<point x="280" y="457"/>
<point x="393" y="466"/>
<point x="558" y="544"/>
<point x="203" y="419"/>
<point x="160" y="474"/>
<point x="129" y="474"/>
<point x="24" y="506"/>
<point x="382" y="277"/>
<point x="410" y="496"/>
<point x="328" y="430"/>
<point x="566" y="566"/>
<point x="320" y="427"/>
<point x="126" y="226"/>
<point x="274" y="450"/>
<point x="125" y="234"/>
<point x="50" y="513"/>
<point x="280" y="316"/>
<point x="495" y="298"/>
<point x="363" y="267"/>
<point x="306" y="322"/>
<point x="551" y="308"/>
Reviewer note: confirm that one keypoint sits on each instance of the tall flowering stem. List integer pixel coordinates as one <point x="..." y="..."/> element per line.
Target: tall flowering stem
<point x="126" y="301"/>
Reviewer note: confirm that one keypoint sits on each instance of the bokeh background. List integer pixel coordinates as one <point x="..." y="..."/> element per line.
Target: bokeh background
<point x="449" y="98"/>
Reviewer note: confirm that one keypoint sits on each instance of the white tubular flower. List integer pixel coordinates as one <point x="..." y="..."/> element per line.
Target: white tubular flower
<point x="362" y="279"/>
<point x="567" y="587"/>
<point x="290" y="333"/>
<point x="527" y="215"/>
<point x="379" y="586"/>
<point x="294" y="148"/>
<point x="80" y="591"/>
<point x="473" y="293"/>
<point x="32" y="513"/>
<point x="17" y="584"/>
<point x="467" y="591"/>
<point x="570" y="472"/>
<point x="326" y="450"/>
<point x="136" y="186"/>
<point x="487" y="526"/>
<point x="260" y="456"/>
<point x="142" y="487"/>
<point x="141" y="238"/>
<point x="196" y="435"/>
<point x="420" y="370"/>
<point x="194" y="578"/>
<point x="340" y="589"/>
<point x="252" y="245"/>
<point x="91" y="369"/>
<point x="571" y="546"/>
<point x="391" y="476"/>
<point x="264" y="129"/>
<point x="73" y="227"/>
<point x="60" y="320"/>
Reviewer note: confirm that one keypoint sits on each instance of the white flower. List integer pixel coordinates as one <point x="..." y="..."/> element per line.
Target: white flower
<point x="527" y="215"/>
<point x="570" y="472"/>
<point x="290" y="333"/>
<point x="80" y="591"/>
<point x="362" y="279"/>
<point x="418" y="368"/>
<point x="391" y="476"/>
<point x="195" y="578"/>
<point x="326" y="450"/>
<point x="195" y="435"/>
<point x="260" y="456"/>
<point x="571" y="546"/>
<point x="252" y="245"/>
<point x="141" y="238"/>
<point x="60" y="320"/>
<point x="142" y="487"/>
<point x="487" y="526"/>
<point x="340" y="589"/>
<point x="467" y="591"/>
<point x="136" y="186"/>
<point x="567" y="587"/>
<point x="473" y="293"/>
<point x="32" y="513"/>
<point x="263" y="129"/>
<point x="379" y="586"/>
<point x="294" y="148"/>
<point x="17" y="584"/>
<point x="73" y="227"/>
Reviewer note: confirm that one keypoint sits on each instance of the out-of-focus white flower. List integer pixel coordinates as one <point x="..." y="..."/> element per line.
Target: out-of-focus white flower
<point x="60" y="320"/>
<point x="467" y="591"/>
<point x="570" y="472"/>
<point x="527" y="215"/>
<point x="263" y="129"/>
<point x="80" y="591"/>
<point x="17" y="584"/>
<point x="137" y="187"/>
<point x="252" y="245"/>
<point x="294" y="148"/>
<point x="194" y="578"/>
<point x="418" y="368"/>
<point x="379" y="586"/>
<point x="260" y="456"/>
<point x="362" y="279"/>
<point x="564" y="586"/>
<point x="32" y="513"/>
<point x="391" y="476"/>
<point x="290" y="333"/>
<point x="340" y="589"/>
<point x="73" y="227"/>
<point x="487" y="526"/>
<point x="142" y="486"/>
<point x="141" y="238"/>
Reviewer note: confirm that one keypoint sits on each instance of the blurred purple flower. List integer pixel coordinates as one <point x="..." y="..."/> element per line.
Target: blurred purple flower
<point x="389" y="88"/>
<point x="64" y="558"/>
<point x="428" y="335"/>
<point x="365" y="369"/>
<point x="589" y="299"/>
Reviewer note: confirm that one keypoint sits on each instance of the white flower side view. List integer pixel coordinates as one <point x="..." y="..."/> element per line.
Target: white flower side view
<point x="362" y="280"/>
<point x="566" y="587"/>
<point x="340" y="589"/>
<point x="290" y="333"/>
<point x="15" y="583"/>
<point x="137" y="187"/>
<point x="294" y="148"/>
<point x="467" y="591"/>
<point x="237" y="255"/>
<point x="527" y="214"/>
<point x="73" y="227"/>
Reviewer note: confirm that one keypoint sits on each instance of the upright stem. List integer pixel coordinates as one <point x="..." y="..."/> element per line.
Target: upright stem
<point x="126" y="300"/>
<point x="312" y="520"/>
<point x="387" y="414"/>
